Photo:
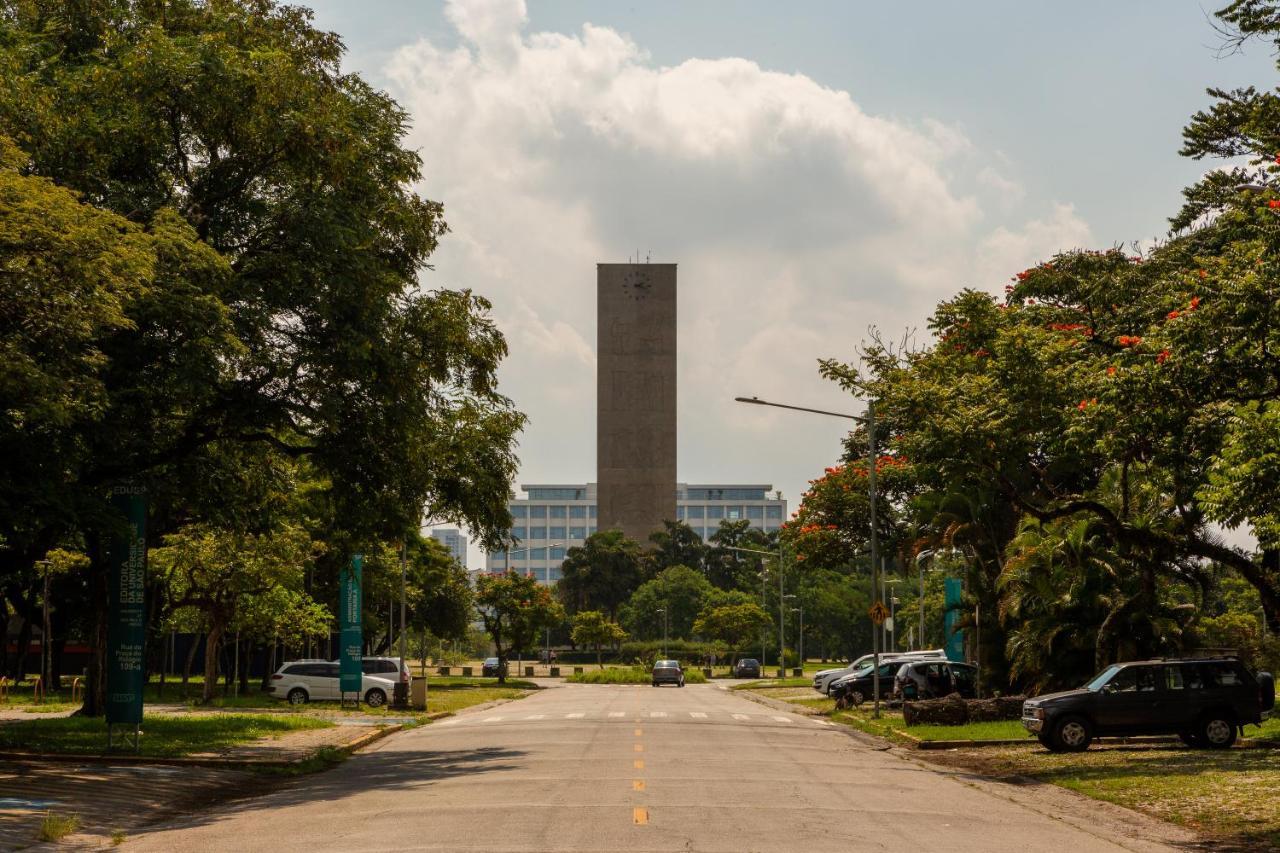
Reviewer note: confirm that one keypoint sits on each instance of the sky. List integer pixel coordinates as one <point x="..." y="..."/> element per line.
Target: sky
<point x="817" y="171"/>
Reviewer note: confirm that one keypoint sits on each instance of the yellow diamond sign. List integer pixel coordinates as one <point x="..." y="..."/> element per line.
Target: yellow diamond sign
<point x="878" y="613"/>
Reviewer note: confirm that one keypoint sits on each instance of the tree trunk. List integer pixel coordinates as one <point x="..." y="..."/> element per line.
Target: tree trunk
<point x="599" y="662"/>
<point x="211" y="642"/>
<point x="246" y="658"/>
<point x="190" y="662"/>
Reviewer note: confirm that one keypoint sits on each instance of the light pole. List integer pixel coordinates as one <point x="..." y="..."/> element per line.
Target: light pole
<point x="870" y="420"/>
<point x="401" y="689"/>
<point x="663" y="611"/>
<point x="781" y="602"/>
<point x="800" y="611"/>
<point x="788" y="597"/>
<point x="893" y="600"/>
<point x="46" y="659"/>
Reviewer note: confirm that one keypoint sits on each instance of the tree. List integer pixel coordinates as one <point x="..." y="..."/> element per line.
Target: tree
<point x="676" y="544"/>
<point x="284" y="310"/>
<point x="679" y="590"/>
<point x="514" y="608"/>
<point x="601" y="573"/>
<point x="732" y="624"/>
<point x="217" y="572"/>
<point x="590" y="627"/>
<point x="730" y="569"/>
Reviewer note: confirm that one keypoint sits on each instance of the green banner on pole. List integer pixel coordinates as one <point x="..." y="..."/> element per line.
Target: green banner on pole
<point x="349" y="607"/>
<point x="126" y="607"/>
<point x="953" y="602"/>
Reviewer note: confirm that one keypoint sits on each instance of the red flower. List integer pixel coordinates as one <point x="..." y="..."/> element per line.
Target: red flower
<point x="1022" y="276"/>
<point x="1274" y="203"/>
<point x="1084" y="404"/>
<point x="1195" y="303"/>
<point x="1204" y="273"/>
<point x="1128" y="340"/>
<point x="1111" y="371"/>
<point x="1162" y="357"/>
<point x="1173" y="315"/>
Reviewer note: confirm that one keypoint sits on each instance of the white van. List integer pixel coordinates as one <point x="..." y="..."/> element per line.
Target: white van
<point x="303" y="681"/>
<point x="823" y="680"/>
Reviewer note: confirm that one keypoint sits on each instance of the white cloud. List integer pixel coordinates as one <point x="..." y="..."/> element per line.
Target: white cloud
<point x="798" y="220"/>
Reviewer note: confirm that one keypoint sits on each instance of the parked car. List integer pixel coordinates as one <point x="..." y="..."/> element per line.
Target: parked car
<point x="747" y="668"/>
<point x="932" y="679"/>
<point x="858" y="687"/>
<point x="1205" y="701"/>
<point x="823" y="679"/>
<point x="668" y="672"/>
<point x="303" y="681"/>
<point x="490" y="668"/>
<point x="388" y="668"/>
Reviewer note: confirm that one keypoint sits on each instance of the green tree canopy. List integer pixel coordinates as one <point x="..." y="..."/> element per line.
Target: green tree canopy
<point x="601" y="573"/>
<point x="591" y="628"/>
<point x="514" y="608"/>
<point x="733" y="624"/>
<point x="679" y="590"/>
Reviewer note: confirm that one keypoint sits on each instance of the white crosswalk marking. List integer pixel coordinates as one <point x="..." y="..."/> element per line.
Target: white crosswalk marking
<point x="617" y="713"/>
<point x="741" y="717"/>
<point x="536" y="717"/>
<point x="783" y="719"/>
<point x="824" y="722"/>
<point x="492" y="719"/>
<point x="577" y="716"/>
<point x="657" y="713"/>
<point x="697" y="715"/>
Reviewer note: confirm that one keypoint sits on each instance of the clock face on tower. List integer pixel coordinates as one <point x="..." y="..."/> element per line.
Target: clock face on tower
<point x="636" y="284"/>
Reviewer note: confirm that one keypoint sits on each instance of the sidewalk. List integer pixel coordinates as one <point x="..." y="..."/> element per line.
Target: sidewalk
<point x="124" y="793"/>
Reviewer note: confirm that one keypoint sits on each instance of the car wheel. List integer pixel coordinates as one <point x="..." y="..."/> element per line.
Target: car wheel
<point x="298" y="696"/>
<point x="1217" y="731"/>
<point x="856" y="698"/>
<point x="681" y="684"/>
<point x="375" y="698"/>
<point x="1071" y="734"/>
<point x="655" y="684"/>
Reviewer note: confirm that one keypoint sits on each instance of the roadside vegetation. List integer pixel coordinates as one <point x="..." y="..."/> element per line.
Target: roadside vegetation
<point x="167" y="736"/>
<point x="628" y="675"/>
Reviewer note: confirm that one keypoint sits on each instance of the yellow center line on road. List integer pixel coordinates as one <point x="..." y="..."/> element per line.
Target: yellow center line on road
<point x="637" y="785"/>
<point x="640" y="815"/>
<point x="639" y="764"/>
<point x="639" y="747"/>
<point x="639" y="732"/>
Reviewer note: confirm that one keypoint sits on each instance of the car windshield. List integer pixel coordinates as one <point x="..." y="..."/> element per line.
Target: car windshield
<point x="493" y="661"/>
<point x="667" y="664"/>
<point x="1102" y="678"/>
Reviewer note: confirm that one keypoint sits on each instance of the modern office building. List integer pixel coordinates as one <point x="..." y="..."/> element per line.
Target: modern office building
<point x="455" y="540"/>
<point x="552" y="518"/>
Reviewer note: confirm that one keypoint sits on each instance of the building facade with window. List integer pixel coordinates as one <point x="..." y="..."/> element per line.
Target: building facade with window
<point x="550" y="519"/>
<point x="455" y="540"/>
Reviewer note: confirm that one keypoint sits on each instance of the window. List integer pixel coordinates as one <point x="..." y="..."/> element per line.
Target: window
<point x="593" y="511"/>
<point x="1221" y="675"/>
<point x="561" y="494"/>
<point x="1173" y="678"/>
<point x="773" y="511"/>
<point x="519" y="511"/>
<point x="538" y="512"/>
<point x="497" y="555"/>
<point x="679" y="513"/>
<point x="591" y="531"/>
<point x="578" y="511"/>
<point x="577" y="533"/>
<point x="555" y="532"/>
<point x="537" y="533"/>
<point x="715" y="512"/>
<point x="1133" y="679"/>
<point x="557" y="553"/>
<point x="374" y="667"/>
<point x="726" y="494"/>
<point x="755" y="512"/>
<point x="695" y="511"/>
<point x="537" y="553"/>
<point x="555" y="574"/>
<point x="733" y="513"/>
<point x="520" y="533"/>
<point x="559" y="512"/>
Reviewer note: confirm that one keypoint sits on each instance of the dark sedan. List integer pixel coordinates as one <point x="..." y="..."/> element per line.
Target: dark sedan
<point x="668" y="672"/>
<point x="747" y="668"/>
<point x="490" y="668"/>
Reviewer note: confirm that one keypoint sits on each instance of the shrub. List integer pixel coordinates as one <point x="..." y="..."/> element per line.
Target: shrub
<point x="628" y="675"/>
<point x="689" y="652"/>
<point x="55" y="826"/>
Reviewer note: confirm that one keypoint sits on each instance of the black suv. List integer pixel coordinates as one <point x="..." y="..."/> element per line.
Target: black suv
<point x="1205" y="701"/>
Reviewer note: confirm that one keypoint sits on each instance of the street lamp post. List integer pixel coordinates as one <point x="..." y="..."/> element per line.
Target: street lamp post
<point x="46" y="659"/>
<point x="800" y="610"/>
<point x="870" y="420"/>
<point x="893" y="601"/>
<point x="781" y="602"/>
<point x="781" y="663"/>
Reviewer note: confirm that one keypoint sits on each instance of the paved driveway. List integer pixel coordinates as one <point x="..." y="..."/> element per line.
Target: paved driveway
<point x="592" y="768"/>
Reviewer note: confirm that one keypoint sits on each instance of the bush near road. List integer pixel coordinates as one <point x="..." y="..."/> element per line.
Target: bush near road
<point x="162" y="735"/>
<point x="629" y="675"/>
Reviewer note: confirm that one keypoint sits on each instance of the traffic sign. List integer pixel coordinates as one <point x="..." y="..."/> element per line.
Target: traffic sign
<point x="878" y="613"/>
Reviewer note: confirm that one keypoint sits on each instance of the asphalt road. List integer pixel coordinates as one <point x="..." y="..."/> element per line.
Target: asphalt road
<point x="597" y="768"/>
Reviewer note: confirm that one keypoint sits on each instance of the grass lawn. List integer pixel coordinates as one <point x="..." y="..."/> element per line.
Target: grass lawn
<point x="629" y="675"/>
<point x="774" y="684"/>
<point x="162" y="735"/>
<point x="450" y="697"/>
<point x="1228" y="794"/>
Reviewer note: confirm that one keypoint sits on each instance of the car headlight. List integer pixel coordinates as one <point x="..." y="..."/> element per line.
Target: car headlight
<point x="1038" y="713"/>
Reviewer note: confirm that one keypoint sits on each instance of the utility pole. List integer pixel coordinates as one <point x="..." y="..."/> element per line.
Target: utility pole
<point x="875" y="550"/>
<point x="782" y="619"/>
<point x="402" y="689"/>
